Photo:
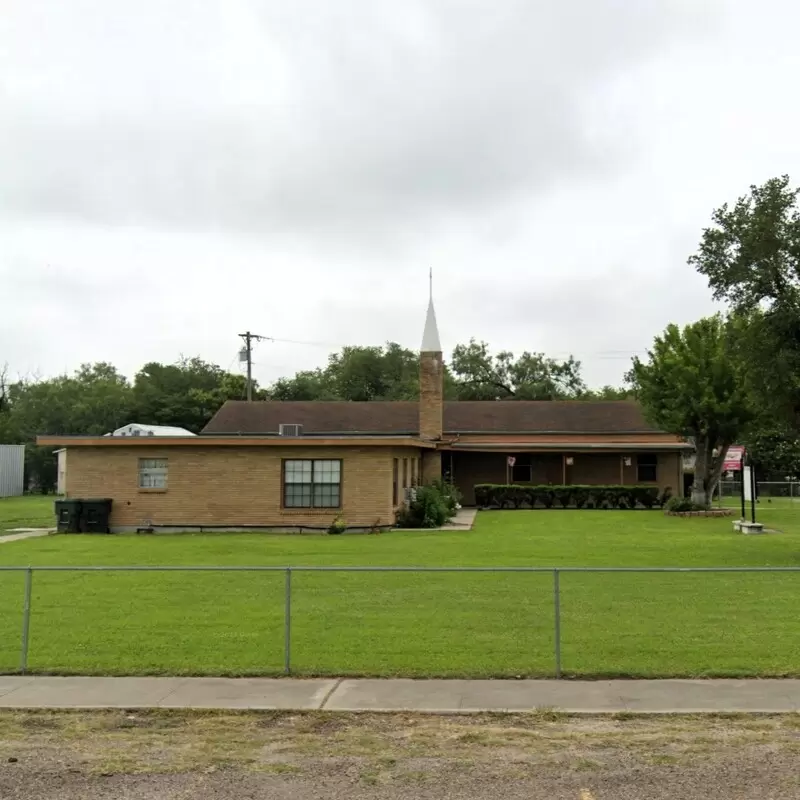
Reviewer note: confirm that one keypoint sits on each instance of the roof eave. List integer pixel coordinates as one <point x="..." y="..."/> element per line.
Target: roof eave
<point x="233" y="441"/>
<point x="505" y="447"/>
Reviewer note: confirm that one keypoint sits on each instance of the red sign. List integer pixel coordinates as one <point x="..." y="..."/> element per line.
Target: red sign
<point x="733" y="458"/>
<point x="511" y="461"/>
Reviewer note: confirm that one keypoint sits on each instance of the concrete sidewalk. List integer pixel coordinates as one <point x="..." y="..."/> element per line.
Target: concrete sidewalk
<point x="431" y="696"/>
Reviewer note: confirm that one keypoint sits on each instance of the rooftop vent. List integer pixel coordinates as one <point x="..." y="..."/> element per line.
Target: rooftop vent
<point x="290" y="430"/>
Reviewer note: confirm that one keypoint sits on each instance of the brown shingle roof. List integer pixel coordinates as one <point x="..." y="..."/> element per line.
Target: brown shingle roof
<point x="384" y="417"/>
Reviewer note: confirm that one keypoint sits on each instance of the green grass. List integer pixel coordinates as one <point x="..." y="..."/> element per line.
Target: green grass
<point x="26" y="512"/>
<point x="442" y="624"/>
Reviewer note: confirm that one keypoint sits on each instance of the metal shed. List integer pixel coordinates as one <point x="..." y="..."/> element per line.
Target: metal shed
<point x="12" y="470"/>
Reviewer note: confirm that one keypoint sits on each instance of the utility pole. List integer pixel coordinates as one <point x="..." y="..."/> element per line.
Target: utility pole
<point x="246" y="354"/>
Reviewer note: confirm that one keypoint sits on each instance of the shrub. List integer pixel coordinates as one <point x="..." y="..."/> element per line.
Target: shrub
<point x="451" y="495"/>
<point x="678" y="505"/>
<point x="428" y="509"/>
<point x="483" y="495"/>
<point x="646" y="496"/>
<point x="580" y="496"/>
<point x="563" y="495"/>
<point x="514" y="496"/>
<point x="337" y="526"/>
<point x="544" y="495"/>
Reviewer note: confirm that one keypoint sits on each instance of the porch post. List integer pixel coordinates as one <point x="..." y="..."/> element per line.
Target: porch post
<point x="563" y="469"/>
<point x="621" y="470"/>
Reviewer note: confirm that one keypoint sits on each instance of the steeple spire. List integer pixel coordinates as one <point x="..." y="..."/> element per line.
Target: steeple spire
<point x="430" y="336"/>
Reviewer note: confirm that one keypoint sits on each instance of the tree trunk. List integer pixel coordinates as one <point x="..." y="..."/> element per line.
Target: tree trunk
<point x="715" y="469"/>
<point x="707" y="470"/>
<point x="700" y="472"/>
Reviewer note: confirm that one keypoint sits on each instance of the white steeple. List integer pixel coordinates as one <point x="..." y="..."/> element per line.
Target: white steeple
<point x="430" y="336"/>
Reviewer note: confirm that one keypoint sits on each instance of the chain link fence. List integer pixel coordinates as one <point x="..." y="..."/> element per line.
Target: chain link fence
<point x="730" y="490"/>
<point x="402" y="620"/>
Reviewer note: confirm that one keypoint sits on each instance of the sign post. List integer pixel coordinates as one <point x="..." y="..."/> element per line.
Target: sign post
<point x="734" y="461"/>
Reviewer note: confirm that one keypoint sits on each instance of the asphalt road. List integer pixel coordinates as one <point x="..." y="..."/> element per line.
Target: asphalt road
<point x="170" y="755"/>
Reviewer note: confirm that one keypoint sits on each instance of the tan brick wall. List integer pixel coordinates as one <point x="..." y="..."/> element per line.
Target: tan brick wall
<point x="431" y="388"/>
<point x="229" y="485"/>
<point x="407" y="477"/>
<point x="431" y="466"/>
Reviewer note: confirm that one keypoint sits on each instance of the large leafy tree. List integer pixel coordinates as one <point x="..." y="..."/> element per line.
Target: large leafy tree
<point x="692" y="385"/>
<point x="356" y="373"/>
<point x="186" y="394"/>
<point x="750" y="255"/>
<point x="773" y="448"/>
<point x="93" y="400"/>
<point x="480" y="375"/>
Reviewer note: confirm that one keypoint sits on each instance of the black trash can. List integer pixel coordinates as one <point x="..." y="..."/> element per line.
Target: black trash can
<point x="95" y="515"/>
<point x="68" y="516"/>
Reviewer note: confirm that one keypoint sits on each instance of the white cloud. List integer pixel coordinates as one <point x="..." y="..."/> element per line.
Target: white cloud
<point x="176" y="172"/>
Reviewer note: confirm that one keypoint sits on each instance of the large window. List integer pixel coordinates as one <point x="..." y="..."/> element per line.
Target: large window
<point x="647" y="468"/>
<point x="152" y="473"/>
<point x="311" y="483"/>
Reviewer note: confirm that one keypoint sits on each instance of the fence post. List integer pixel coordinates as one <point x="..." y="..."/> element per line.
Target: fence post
<point x="287" y="633"/>
<point x="26" y="621"/>
<point x="557" y="617"/>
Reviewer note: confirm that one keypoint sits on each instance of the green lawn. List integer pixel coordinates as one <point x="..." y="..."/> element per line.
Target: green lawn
<point x="26" y="512"/>
<point x="439" y="624"/>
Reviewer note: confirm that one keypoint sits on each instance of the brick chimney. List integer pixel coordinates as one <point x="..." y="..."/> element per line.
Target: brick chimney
<point x="431" y="390"/>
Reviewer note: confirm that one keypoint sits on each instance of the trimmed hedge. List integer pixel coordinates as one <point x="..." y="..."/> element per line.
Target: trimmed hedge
<point x="489" y="495"/>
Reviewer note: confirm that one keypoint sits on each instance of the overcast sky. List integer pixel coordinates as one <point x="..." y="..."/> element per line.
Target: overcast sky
<point x="174" y="173"/>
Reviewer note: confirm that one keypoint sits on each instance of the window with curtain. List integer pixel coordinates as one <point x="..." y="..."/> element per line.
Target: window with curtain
<point x="312" y="483"/>
<point x="152" y="473"/>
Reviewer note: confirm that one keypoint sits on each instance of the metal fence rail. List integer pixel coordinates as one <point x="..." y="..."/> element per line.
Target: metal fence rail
<point x="556" y="572"/>
<point x="733" y="489"/>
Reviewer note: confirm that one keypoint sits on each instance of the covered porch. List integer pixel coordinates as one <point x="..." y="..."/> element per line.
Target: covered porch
<point x="652" y="466"/>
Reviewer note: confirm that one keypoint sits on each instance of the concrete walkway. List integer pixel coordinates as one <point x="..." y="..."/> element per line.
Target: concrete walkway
<point x="462" y="521"/>
<point x="16" y="534"/>
<point x="431" y="696"/>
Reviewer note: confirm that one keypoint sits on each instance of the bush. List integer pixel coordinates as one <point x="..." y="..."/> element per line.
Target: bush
<point x="625" y="497"/>
<point x="483" y="495"/>
<point x="580" y="496"/>
<point x="428" y="509"/>
<point x="646" y="496"/>
<point x="678" y="505"/>
<point x="451" y="495"/>
<point x="563" y="495"/>
<point x="543" y="495"/>
<point x="337" y="526"/>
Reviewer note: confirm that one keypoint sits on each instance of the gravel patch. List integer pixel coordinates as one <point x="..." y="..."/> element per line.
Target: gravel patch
<point x="168" y="755"/>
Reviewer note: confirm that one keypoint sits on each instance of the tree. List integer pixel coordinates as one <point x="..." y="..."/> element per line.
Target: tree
<point x="773" y="448"/>
<point x="93" y="400"/>
<point x="186" y="394"/>
<point x="390" y="372"/>
<point x="692" y="385"/>
<point x="479" y="375"/>
<point x="751" y="258"/>
<point x="608" y="393"/>
<point x="374" y="373"/>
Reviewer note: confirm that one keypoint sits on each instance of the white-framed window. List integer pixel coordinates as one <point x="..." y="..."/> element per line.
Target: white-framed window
<point x="152" y="473"/>
<point x="312" y="483"/>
